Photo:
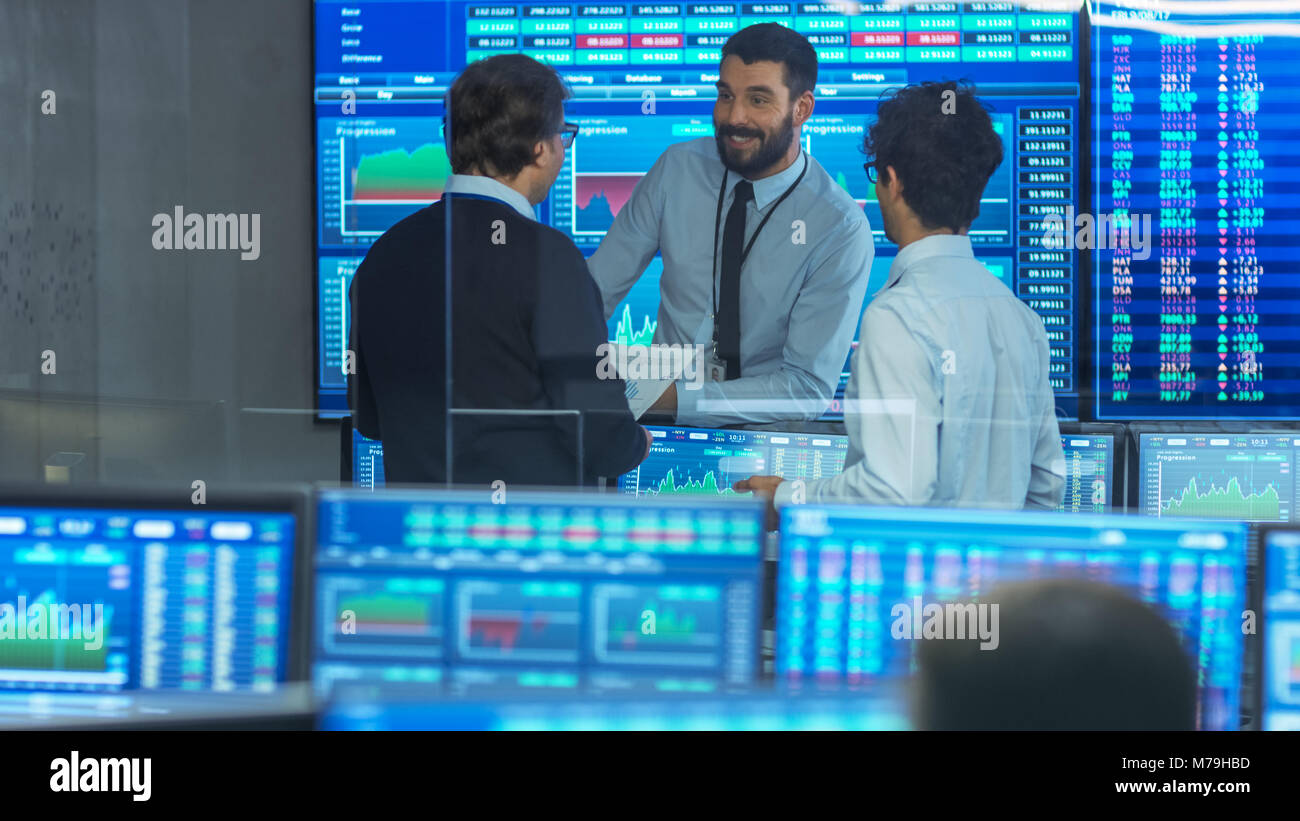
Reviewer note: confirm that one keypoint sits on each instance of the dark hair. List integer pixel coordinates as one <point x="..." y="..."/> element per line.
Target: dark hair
<point x="1071" y="655"/>
<point x="778" y="44"/>
<point x="498" y="110"/>
<point x="942" y="146"/>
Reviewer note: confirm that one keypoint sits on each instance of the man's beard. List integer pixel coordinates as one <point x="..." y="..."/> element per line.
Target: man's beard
<point x="771" y="147"/>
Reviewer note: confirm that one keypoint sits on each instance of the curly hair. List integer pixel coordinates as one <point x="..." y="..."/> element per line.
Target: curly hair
<point x="940" y="140"/>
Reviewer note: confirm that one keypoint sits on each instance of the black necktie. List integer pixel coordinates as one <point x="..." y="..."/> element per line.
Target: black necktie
<point x="733" y="245"/>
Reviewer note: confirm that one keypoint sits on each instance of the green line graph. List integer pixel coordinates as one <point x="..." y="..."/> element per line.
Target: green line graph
<point x="56" y="652"/>
<point x="385" y="608"/>
<point x="669" y="624"/>
<point x="843" y="182"/>
<point x="708" y="486"/>
<point x="398" y="174"/>
<point x="626" y="333"/>
<point x="1227" y="502"/>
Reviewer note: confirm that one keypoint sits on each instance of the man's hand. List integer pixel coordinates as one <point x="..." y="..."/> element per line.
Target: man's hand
<point x="649" y="442"/>
<point x="667" y="401"/>
<point x="764" y="487"/>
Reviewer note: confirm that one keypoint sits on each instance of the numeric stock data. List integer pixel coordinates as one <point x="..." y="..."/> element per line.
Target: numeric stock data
<point x="1196" y="123"/>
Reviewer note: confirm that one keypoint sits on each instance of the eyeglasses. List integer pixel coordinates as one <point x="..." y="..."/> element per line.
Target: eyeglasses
<point x="568" y="134"/>
<point x="870" y="168"/>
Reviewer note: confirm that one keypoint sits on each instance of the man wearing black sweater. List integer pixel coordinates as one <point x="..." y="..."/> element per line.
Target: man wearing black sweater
<point x="525" y="315"/>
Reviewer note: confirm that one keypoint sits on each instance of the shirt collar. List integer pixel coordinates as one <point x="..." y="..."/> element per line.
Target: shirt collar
<point x="935" y="245"/>
<point x="768" y="189"/>
<point x="487" y="187"/>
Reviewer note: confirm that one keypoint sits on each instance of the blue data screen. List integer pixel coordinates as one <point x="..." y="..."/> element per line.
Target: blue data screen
<point x="642" y="76"/>
<point x="1089" y="473"/>
<point x="844" y="570"/>
<point x="1238" y="477"/>
<point x="732" y="712"/>
<point x="708" y="460"/>
<point x="1198" y="138"/>
<point x="451" y="593"/>
<point x="1280" y="671"/>
<point x="367" y="461"/>
<point x="122" y="599"/>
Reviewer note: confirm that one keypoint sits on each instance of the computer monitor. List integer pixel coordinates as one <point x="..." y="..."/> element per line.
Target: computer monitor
<point x="854" y="581"/>
<point x="366" y="709"/>
<point x="1248" y="477"/>
<point x="1194" y="275"/>
<point x="447" y="592"/>
<point x="289" y="706"/>
<point x="1094" y="473"/>
<point x="113" y="590"/>
<point x="707" y="461"/>
<point x="1278" y="609"/>
<point x="361" y="462"/>
<point x="643" y="77"/>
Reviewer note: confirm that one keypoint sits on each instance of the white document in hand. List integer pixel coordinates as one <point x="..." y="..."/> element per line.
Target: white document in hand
<point x="642" y="393"/>
<point x="648" y="370"/>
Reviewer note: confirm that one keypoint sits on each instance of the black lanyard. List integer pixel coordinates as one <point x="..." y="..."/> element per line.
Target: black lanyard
<point x="717" y="223"/>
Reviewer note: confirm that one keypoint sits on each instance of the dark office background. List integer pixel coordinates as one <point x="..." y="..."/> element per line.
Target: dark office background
<point x="170" y="365"/>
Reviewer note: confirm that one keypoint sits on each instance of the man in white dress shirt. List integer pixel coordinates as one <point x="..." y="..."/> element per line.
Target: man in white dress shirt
<point x="949" y="401"/>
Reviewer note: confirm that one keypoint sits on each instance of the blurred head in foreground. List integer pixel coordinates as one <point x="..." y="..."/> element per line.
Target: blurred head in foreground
<point x="1072" y="655"/>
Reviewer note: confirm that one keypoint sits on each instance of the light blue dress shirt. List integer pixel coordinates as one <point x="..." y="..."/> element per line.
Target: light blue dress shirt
<point x="801" y="288"/>
<point x="480" y="186"/>
<point x="948" y="402"/>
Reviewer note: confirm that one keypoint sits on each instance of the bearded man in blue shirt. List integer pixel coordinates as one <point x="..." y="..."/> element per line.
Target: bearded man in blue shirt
<point x="765" y="257"/>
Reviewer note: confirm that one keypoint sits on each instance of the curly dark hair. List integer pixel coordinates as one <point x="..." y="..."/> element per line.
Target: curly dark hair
<point x="498" y="110"/>
<point x="943" y="148"/>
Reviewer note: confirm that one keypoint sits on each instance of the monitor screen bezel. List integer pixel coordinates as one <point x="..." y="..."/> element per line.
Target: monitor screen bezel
<point x="537" y="495"/>
<point x="294" y="500"/>
<point x="1119" y="456"/>
<point x="1137" y="430"/>
<point x="1258" y="593"/>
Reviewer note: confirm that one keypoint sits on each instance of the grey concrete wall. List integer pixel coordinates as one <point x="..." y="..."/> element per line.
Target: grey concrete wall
<point x="199" y="103"/>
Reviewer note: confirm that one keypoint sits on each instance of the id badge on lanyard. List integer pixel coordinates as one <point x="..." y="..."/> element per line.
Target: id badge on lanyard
<point x="715" y="370"/>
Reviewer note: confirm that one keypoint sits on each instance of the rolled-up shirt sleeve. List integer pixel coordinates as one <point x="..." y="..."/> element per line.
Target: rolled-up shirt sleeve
<point x="631" y="242"/>
<point x="893" y="403"/>
<point x="1047" y="471"/>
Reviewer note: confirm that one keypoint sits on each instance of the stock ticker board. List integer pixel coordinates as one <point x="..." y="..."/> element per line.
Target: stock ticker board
<point x="1199" y="133"/>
